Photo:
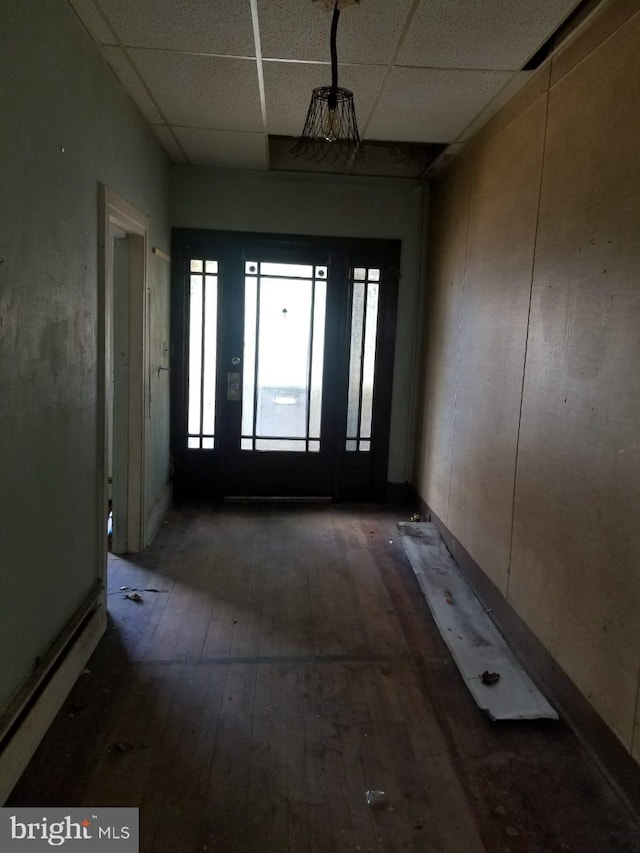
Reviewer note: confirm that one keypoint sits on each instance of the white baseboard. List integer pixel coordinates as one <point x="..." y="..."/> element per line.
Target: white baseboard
<point x="157" y="514"/>
<point x="33" y="726"/>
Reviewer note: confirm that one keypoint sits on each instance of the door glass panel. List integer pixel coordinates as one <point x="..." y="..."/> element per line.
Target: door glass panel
<point x="364" y="330"/>
<point x="355" y="360"/>
<point x="203" y="323"/>
<point x="249" y="372"/>
<point x="369" y="359"/>
<point x="287" y="444"/>
<point x="315" y="396"/>
<point x="195" y="356"/>
<point x="284" y="327"/>
<point x="283" y="357"/>
<point x="210" y="349"/>
<point x="289" y="270"/>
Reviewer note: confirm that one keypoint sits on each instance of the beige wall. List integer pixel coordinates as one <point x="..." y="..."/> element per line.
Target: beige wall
<point x="529" y="449"/>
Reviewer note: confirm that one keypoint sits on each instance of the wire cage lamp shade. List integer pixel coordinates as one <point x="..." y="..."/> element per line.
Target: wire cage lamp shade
<point x="331" y="129"/>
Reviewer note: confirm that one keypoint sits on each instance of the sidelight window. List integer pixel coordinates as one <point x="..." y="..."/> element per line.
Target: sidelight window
<point x="203" y="329"/>
<point x="365" y="290"/>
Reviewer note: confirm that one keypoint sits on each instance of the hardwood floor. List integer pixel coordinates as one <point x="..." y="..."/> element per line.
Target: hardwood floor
<point x="281" y="663"/>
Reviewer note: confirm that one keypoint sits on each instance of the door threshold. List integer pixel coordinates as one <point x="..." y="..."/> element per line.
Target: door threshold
<point x="234" y="499"/>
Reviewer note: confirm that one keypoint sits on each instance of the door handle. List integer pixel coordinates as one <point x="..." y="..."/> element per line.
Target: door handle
<point x="234" y="390"/>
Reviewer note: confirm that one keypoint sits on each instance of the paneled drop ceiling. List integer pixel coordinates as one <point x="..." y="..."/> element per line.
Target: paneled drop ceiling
<point x="219" y="79"/>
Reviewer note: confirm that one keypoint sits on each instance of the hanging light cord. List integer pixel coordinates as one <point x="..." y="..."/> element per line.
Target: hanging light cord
<point x="331" y="117"/>
<point x="334" y="56"/>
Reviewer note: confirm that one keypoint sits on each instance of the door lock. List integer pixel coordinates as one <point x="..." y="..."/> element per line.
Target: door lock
<point x="233" y="387"/>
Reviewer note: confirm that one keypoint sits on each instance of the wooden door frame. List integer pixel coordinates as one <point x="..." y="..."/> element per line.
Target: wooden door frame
<point x="386" y="250"/>
<point x="116" y="212"/>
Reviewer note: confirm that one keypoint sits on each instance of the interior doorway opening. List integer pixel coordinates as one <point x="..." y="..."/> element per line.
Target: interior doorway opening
<point x="124" y="390"/>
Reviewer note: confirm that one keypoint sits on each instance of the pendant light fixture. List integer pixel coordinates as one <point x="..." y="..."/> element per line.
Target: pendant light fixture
<point x="331" y="129"/>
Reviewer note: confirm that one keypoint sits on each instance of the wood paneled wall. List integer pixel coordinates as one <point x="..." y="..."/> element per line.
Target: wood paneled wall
<point x="530" y="440"/>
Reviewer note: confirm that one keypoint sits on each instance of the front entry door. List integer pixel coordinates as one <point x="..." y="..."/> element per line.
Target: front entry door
<point x="280" y="345"/>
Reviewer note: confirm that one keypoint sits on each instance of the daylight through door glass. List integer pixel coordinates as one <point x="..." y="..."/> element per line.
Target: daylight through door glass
<point x="284" y="323"/>
<point x="364" y="329"/>
<point x="203" y="327"/>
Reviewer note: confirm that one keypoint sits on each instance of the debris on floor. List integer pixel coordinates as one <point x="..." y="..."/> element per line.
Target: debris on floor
<point x="141" y="589"/>
<point x="120" y="746"/>
<point x="490" y="677"/>
<point x="376" y="799"/>
<point x="134" y="596"/>
<point x="415" y="517"/>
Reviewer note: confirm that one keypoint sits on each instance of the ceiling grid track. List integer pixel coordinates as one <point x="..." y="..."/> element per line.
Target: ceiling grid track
<point x="258" y="48"/>
<point x="389" y="66"/>
<point x="149" y="94"/>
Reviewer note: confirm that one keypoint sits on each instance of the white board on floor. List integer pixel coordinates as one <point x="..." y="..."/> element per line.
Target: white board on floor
<point x="473" y="640"/>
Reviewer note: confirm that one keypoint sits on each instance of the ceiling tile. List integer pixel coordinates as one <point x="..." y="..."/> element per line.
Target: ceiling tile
<point x="94" y="21"/>
<point x="221" y="148"/>
<point x="431" y="105"/>
<point x="202" y="91"/>
<point x="491" y="34"/>
<point x="288" y="87"/>
<point x="169" y="143"/>
<point x="221" y="27"/>
<point x="299" y="29"/>
<point x="126" y="73"/>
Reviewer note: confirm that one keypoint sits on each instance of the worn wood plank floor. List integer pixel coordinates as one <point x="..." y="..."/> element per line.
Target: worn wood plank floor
<point x="282" y="663"/>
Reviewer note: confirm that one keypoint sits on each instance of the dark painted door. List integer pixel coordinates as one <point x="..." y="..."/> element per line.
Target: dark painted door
<point x="283" y="354"/>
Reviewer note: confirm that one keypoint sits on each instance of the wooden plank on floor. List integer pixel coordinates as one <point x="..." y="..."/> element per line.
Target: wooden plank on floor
<point x="474" y="641"/>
